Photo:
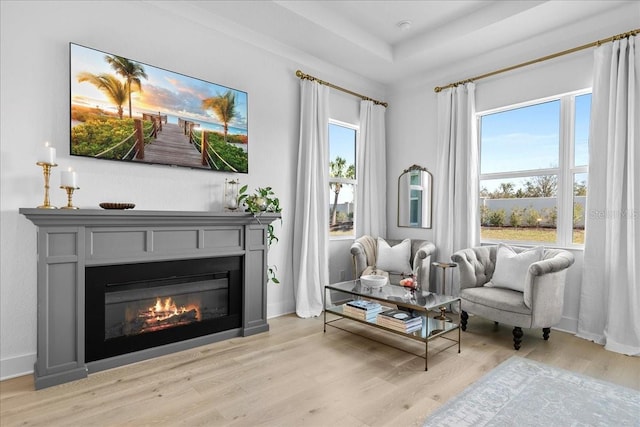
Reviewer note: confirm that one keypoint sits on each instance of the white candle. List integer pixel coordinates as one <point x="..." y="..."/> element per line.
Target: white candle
<point x="47" y="155"/>
<point x="69" y="178"/>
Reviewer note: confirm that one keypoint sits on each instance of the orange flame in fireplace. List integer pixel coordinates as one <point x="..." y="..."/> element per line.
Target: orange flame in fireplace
<point x="160" y="311"/>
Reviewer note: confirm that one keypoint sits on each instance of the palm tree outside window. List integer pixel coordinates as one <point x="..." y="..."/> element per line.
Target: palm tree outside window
<point x="342" y="179"/>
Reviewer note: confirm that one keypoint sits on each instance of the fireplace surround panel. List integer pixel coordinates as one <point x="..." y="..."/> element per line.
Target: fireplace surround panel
<point x="72" y="244"/>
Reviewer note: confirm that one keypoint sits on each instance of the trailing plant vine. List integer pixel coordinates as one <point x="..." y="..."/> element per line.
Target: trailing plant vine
<point x="262" y="200"/>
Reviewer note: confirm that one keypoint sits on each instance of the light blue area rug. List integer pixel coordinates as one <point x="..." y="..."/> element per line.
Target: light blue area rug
<point x="522" y="392"/>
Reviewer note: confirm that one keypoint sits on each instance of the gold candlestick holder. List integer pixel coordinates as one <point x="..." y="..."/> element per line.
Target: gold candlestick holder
<point x="69" y="191"/>
<point x="46" y="171"/>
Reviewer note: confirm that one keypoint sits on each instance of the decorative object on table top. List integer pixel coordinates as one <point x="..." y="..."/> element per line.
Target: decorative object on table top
<point x="47" y="160"/>
<point x="410" y="283"/>
<point x="373" y="281"/>
<point x="411" y="280"/>
<point x="116" y="205"/>
<point x="69" y="183"/>
<point x="231" y="194"/>
<point x="262" y="200"/>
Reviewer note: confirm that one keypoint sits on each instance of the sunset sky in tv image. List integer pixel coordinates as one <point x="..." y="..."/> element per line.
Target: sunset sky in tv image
<point x="163" y="91"/>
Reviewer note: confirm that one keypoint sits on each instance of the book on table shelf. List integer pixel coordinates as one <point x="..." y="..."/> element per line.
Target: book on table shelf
<point x="362" y="304"/>
<point x="399" y="320"/>
<point x="361" y="309"/>
<point x="405" y="329"/>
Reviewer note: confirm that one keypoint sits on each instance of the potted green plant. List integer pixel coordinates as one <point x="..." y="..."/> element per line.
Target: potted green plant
<point x="262" y="200"/>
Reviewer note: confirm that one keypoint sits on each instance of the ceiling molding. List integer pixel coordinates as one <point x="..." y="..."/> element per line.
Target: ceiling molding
<point x="363" y="38"/>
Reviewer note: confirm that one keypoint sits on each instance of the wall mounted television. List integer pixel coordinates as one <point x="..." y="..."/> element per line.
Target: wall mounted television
<point x="125" y="110"/>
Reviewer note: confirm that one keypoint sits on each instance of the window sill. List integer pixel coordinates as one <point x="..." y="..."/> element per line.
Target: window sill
<point x="550" y="245"/>
<point x="341" y="238"/>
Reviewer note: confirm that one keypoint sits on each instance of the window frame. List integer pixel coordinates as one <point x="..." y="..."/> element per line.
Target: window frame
<point x="347" y="181"/>
<point x="565" y="171"/>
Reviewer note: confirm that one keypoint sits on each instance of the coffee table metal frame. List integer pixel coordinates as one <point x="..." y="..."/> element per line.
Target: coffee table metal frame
<point x="420" y="302"/>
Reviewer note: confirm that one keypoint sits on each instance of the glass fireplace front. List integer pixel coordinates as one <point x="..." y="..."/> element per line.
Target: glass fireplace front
<point x="136" y="306"/>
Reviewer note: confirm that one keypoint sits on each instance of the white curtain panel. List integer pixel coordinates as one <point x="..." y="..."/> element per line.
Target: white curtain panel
<point x="311" y="222"/>
<point x="371" y="172"/>
<point x="457" y="219"/>
<point x="610" y="295"/>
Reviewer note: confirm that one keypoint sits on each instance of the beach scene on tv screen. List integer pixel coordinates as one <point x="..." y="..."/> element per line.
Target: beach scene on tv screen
<point x="126" y="110"/>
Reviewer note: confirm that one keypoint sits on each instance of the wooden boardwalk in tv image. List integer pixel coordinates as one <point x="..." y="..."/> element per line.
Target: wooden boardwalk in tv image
<point x="181" y="144"/>
<point x="172" y="146"/>
<point x="177" y="144"/>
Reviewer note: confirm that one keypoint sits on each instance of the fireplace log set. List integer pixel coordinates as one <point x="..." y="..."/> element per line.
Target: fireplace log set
<point x="148" y="321"/>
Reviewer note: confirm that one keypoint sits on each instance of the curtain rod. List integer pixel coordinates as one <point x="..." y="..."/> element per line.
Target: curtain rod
<point x="542" y="59"/>
<point x="303" y="76"/>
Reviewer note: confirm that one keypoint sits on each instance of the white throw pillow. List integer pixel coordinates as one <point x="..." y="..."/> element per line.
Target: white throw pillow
<point x="394" y="259"/>
<point x="512" y="268"/>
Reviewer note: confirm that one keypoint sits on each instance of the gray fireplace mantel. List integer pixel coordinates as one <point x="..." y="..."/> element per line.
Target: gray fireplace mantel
<point x="70" y="240"/>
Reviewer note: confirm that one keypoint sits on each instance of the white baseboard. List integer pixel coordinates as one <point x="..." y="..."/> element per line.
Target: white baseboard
<point x="18" y="366"/>
<point x="568" y="325"/>
<point x="280" y="308"/>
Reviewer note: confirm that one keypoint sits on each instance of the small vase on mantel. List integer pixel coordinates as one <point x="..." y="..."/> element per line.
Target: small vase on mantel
<point x="231" y="194"/>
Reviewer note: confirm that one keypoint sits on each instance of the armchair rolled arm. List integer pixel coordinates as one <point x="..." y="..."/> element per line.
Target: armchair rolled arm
<point x="475" y="266"/>
<point x="425" y="250"/>
<point x="422" y="262"/>
<point x="357" y="249"/>
<point x="557" y="262"/>
<point x="359" y="259"/>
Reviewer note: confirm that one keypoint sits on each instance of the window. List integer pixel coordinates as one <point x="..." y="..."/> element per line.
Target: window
<point x="533" y="171"/>
<point x="342" y="179"/>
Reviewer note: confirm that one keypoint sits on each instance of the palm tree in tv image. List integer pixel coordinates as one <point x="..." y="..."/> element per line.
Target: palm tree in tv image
<point x="109" y="84"/>
<point x="131" y="71"/>
<point x="224" y="106"/>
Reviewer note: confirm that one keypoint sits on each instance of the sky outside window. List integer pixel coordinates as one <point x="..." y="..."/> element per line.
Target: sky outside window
<point x="521" y="139"/>
<point x="583" y="115"/>
<point x="342" y="143"/>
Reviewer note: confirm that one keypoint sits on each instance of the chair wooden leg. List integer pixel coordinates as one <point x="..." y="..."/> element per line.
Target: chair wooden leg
<point x="464" y="316"/>
<point x="517" y="337"/>
<point x="545" y="333"/>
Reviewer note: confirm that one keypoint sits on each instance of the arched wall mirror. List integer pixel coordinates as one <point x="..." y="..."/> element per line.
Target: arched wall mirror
<point x="414" y="198"/>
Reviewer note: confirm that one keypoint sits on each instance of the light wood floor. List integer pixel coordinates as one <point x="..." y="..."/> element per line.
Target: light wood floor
<point x="296" y="375"/>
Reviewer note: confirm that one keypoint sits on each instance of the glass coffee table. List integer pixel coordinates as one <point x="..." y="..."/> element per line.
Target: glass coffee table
<point x="428" y="306"/>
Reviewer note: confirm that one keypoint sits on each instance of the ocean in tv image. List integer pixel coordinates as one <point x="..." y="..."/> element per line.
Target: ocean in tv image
<point x="126" y="110"/>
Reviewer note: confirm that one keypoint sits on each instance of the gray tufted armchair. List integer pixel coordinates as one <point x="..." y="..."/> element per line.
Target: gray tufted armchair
<point x="539" y="306"/>
<point x="364" y="253"/>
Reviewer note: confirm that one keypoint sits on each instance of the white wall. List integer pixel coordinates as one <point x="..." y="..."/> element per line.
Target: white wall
<point x="412" y="126"/>
<point x="34" y="98"/>
<point x="35" y="107"/>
